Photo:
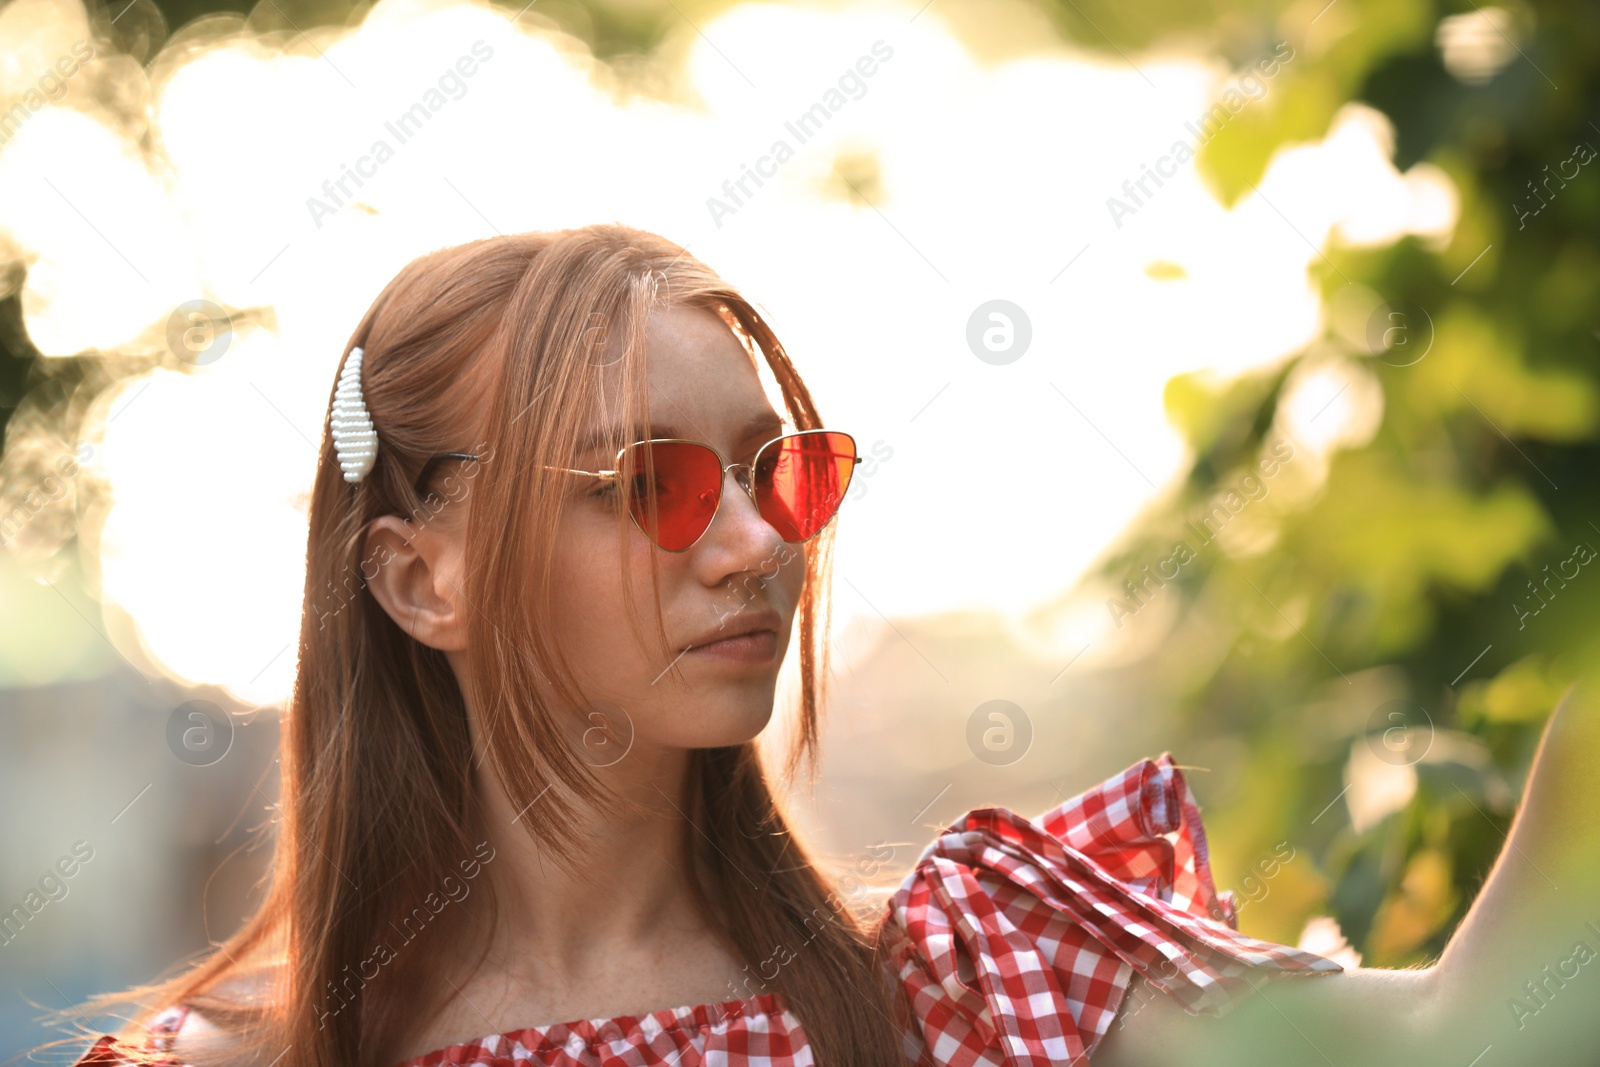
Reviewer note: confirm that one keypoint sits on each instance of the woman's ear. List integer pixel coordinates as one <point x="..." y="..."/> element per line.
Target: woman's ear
<point x="415" y="572"/>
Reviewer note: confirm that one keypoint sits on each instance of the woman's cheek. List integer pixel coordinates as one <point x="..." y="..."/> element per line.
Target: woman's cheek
<point x="795" y="569"/>
<point x="587" y="602"/>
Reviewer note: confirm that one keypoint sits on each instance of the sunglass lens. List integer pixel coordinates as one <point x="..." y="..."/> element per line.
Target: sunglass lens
<point x="801" y="480"/>
<point x="688" y="483"/>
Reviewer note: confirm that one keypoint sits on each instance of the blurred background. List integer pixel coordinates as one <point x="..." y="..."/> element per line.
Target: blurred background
<point x="1226" y="375"/>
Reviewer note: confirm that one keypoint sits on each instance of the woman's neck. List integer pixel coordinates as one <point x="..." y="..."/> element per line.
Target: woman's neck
<point x="630" y="871"/>
<point x="622" y="934"/>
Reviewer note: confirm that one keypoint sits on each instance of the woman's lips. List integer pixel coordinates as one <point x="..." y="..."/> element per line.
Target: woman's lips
<point x="751" y="648"/>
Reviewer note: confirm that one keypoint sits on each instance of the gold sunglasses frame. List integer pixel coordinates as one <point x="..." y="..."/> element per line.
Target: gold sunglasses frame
<point x="745" y="482"/>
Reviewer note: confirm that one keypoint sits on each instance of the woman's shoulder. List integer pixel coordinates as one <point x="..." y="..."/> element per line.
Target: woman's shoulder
<point x="1012" y="932"/>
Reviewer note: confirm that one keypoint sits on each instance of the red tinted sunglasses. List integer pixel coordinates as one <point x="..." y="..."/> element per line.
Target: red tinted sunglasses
<point x="796" y="482"/>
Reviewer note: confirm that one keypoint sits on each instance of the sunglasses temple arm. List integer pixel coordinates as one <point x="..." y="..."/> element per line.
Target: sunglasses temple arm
<point x="592" y="474"/>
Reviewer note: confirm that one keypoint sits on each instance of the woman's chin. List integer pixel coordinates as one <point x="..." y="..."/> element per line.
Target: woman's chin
<point x="731" y="726"/>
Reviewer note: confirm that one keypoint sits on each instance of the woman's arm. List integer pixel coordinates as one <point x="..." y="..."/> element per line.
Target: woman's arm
<point x="1518" y="983"/>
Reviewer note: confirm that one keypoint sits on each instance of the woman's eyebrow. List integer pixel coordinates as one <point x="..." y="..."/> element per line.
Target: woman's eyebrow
<point x="765" y="422"/>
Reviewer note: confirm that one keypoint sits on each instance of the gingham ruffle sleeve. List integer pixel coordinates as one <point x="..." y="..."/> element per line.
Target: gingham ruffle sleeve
<point x="1016" y="939"/>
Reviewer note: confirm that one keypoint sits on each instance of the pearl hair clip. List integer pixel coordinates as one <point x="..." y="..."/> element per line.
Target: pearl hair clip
<point x="354" y="438"/>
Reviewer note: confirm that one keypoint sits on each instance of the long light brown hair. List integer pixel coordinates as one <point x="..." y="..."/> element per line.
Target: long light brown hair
<point x="509" y="335"/>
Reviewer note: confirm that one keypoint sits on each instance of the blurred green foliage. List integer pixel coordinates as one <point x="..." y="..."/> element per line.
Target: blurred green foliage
<point x="1416" y="577"/>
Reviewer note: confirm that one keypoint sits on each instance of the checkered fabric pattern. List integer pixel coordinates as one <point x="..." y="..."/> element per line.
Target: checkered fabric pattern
<point x="1015" y="940"/>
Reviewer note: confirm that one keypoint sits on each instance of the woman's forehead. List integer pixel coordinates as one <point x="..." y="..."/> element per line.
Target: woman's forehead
<point x="701" y="383"/>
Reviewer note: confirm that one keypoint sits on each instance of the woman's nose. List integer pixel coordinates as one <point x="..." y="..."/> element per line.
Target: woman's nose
<point x="745" y="477"/>
<point x="744" y="482"/>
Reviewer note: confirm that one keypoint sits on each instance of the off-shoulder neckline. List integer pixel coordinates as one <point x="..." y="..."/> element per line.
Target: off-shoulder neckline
<point x="1112" y="882"/>
<point x="608" y="1029"/>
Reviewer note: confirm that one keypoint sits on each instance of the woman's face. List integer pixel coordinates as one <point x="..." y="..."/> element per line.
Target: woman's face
<point x="740" y="575"/>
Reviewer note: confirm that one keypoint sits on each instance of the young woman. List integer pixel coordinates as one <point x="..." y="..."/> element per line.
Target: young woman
<point x="560" y="540"/>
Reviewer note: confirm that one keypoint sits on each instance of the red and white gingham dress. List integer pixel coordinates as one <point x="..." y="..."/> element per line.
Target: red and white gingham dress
<point x="1015" y="940"/>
